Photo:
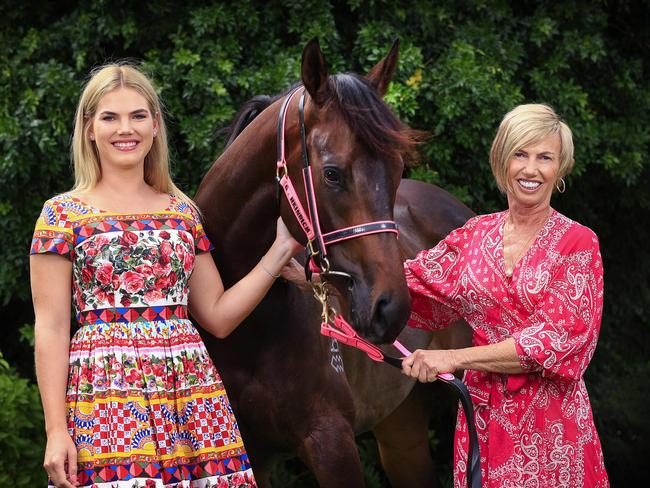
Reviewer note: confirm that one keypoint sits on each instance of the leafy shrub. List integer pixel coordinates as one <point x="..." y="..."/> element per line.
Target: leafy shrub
<point x="22" y="439"/>
<point x="462" y="66"/>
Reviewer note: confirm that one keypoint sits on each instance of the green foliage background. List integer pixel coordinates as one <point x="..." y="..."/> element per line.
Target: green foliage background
<point x="463" y="65"/>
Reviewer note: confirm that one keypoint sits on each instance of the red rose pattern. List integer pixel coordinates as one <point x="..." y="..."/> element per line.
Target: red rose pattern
<point x="128" y="238"/>
<point x="153" y="296"/>
<point x="86" y="275"/>
<point x="142" y="268"/>
<point x="134" y="269"/>
<point x="166" y="249"/>
<point x="104" y="274"/>
<point x="133" y="282"/>
<point x="188" y="262"/>
<point x="162" y="282"/>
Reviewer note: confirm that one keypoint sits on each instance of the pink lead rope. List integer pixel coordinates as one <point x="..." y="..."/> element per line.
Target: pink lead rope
<point x="398" y="345"/>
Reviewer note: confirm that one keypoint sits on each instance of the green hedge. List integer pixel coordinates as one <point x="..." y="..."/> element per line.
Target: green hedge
<point x="463" y="65"/>
<point x="22" y="438"/>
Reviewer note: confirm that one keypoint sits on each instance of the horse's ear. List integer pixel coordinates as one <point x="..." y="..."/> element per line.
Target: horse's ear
<point x="314" y="72"/>
<point x="382" y="73"/>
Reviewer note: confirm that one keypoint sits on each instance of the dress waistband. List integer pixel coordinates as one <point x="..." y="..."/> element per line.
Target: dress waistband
<point x="132" y="314"/>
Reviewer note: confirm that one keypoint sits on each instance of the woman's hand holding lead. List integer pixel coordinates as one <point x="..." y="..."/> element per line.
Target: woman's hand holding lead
<point x="425" y="365"/>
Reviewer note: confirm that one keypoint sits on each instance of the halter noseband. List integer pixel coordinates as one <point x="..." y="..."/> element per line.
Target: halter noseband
<point x="317" y="242"/>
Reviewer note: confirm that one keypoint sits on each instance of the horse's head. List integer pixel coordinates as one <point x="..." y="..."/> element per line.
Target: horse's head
<point x="356" y="147"/>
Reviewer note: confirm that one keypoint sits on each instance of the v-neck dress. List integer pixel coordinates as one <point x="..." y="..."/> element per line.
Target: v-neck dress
<point x="145" y="405"/>
<point x="535" y="429"/>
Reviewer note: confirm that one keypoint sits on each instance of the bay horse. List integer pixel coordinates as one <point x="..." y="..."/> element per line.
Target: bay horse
<point x="293" y="391"/>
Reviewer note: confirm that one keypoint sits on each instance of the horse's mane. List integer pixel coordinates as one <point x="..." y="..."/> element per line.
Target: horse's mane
<point x="363" y="110"/>
<point x="251" y="109"/>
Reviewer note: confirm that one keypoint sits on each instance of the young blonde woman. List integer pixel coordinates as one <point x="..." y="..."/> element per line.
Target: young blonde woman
<point x="133" y="398"/>
<point x="529" y="281"/>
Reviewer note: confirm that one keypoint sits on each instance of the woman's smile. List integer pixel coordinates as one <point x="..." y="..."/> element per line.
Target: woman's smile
<point x="125" y="146"/>
<point x="529" y="185"/>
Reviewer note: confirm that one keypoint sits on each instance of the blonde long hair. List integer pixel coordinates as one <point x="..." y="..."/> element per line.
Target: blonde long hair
<point x="85" y="157"/>
<point x="525" y="125"/>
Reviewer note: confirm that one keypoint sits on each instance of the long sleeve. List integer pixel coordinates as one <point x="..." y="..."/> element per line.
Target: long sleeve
<point x="431" y="277"/>
<point x="561" y="335"/>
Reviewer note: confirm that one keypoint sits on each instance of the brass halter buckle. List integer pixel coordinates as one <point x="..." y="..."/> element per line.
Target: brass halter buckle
<point x="311" y="250"/>
<point x="322" y="295"/>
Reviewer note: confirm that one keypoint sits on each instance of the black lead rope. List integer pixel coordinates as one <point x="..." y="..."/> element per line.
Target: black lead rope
<point x="474" y="479"/>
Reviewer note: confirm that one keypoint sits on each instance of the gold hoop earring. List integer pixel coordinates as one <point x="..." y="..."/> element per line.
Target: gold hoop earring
<point x="560" y="185"/>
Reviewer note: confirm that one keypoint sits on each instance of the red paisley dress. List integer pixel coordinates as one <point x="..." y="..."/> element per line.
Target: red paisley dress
<point x="535" y="429"/>
<point x="146" y="407"/>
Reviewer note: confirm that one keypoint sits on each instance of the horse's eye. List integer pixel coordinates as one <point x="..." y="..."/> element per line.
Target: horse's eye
<point x="332" y="175"/>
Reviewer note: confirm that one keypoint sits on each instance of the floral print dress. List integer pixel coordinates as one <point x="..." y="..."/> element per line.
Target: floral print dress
<point x="145" y="405"/>
<point x="535" y="429"/>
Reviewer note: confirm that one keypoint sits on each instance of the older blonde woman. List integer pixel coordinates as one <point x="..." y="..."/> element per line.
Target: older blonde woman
<point x="529" y="281"/>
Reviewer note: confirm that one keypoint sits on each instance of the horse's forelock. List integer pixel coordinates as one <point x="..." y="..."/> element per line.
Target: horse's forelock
<point x="372" y="120"/>
<point x="365" y="113"/>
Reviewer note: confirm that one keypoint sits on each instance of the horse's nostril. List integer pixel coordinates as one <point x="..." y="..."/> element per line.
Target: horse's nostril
<point x="388" y="317"/>
<point x="383" y="303"/>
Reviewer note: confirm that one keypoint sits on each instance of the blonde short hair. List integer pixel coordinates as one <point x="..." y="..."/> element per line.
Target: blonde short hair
<point x="85" y="157"/>
<point x="525" y="125"/>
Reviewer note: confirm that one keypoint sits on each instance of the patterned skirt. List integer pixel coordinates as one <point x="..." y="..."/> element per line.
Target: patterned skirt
<point x="147" y="408"/>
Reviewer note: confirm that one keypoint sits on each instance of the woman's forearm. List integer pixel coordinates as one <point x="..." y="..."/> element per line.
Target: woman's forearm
<point x="496" y="358"/>
<point x="52" y="346"/>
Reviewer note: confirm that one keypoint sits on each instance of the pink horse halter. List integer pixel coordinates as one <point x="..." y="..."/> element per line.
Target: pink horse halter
<point x="317" y="242"/>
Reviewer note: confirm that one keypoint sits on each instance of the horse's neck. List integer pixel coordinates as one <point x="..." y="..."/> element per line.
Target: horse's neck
<point x="238" y="199"/>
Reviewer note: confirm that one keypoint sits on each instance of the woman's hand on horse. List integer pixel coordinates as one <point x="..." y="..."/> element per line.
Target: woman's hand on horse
<point x="61" y="460"/>
<point x="425" y="365"/>
<point x="284" y="238"/>
<point x="294" y="272"/>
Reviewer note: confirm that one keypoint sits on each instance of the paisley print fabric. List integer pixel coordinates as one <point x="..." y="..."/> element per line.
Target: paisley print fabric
<point x="145" y="405"/>
<point x="536" y="428"/>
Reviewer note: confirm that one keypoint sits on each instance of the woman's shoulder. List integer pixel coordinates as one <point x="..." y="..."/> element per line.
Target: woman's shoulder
<point x="185" y="207"/>
<point x="484" y="221"/>
<point x="62" y="209"/>
<point x="489" y="218"/>
<point x="574" y="235"/>
<point x="474" y="228"/>
<point x="59" y="199"/>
